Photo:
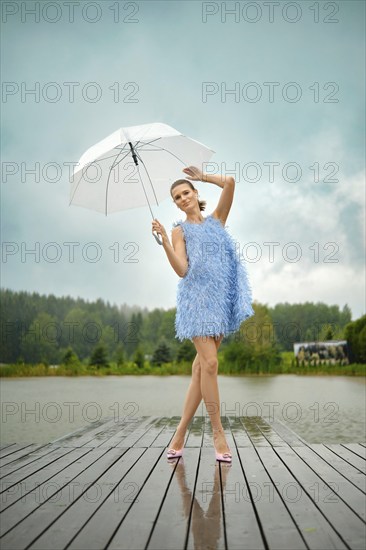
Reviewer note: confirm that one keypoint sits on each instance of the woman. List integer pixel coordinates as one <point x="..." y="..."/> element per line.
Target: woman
<point x="213" y="296"/>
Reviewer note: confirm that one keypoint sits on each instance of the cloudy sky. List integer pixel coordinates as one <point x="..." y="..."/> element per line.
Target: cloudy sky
<point x="278" y="86"/>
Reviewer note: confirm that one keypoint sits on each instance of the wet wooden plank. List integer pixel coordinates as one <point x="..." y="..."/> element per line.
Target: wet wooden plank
<point x="110" y="485"/>
<point x="175" y="514"/>
<point x="116" y="433"/>
<point x="356" y="448"/>
<point x="242" y="528"/>
<point x="135" y="435"/>
<point x="31" y="493"/>
<point x="254" y="433"/>
<point x="108" y="432"/>
<point x="23" y="458"/>
<point x="313" y="526"/>
<point x="349" y="527"/>
<point x="43" y="465"/>
<point x="344" y="489"/>
<point x="207" y="517"/>
<point x="6" y="447"/>
<point x="269" y="433"/>
<point x="157" y="426"/>
<point x="207" y="439"/>
<point x="285" y="433"/>
<point x="17" y="454"/>
<point x="239" y="432"/>
<point x="347" y="470"/>
<point x="89" y="513"/>
<point x="38" y="516"/>
<point x="82" y="436"/>
<point x="195" y="432"/>
<point x="165" y="434"/>
<point x="97" y="532"/>
<point x="347" y="455"/>
<point x="132" y="533"/>
<point x="278" y="526"/>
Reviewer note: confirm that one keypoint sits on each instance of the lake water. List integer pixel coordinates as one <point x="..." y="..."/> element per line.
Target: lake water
<point x="319" y="408"/>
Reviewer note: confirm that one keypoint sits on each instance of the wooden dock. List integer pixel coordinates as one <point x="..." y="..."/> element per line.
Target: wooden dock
<point x="110" y="485"/>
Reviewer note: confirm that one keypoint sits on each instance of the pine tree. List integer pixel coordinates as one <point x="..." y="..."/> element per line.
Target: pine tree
<point x="69" y="357"/>
<point x="99" y="357"/>
<point x="120" y="355"/>
<point x="186" y="351"/>
<point x="161" y="354"/>
<point x="139" y="358"/>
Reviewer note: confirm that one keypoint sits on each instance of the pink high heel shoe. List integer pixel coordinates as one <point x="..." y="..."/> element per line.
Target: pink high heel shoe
<point x="225" y="457"/>
<point x="172" y="453"/>
<point x="222" y="457"/>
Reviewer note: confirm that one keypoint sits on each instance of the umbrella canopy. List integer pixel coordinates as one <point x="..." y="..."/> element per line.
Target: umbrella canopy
<point x="134" y="167"/>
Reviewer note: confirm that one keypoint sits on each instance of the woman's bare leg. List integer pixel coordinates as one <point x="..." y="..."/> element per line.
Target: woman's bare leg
<point x="207" y="353"/>
<point x="192" y="400"/>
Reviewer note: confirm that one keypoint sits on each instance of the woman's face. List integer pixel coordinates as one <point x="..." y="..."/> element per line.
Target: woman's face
<point x="184" y="196"/>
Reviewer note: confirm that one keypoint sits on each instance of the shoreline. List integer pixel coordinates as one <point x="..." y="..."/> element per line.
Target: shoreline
<point x="40" y="370"/>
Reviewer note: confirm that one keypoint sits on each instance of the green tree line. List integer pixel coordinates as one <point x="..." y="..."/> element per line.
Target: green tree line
<point x="52" y="330"/>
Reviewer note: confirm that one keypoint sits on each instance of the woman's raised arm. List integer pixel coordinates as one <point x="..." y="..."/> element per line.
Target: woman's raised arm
<point x="227" y="183"/>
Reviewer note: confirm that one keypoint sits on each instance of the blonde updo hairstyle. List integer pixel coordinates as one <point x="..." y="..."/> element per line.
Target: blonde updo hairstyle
<point x="201" y="204"/>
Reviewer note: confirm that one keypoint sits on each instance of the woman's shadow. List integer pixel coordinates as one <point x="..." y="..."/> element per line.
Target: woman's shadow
<point x="205" y="526"/>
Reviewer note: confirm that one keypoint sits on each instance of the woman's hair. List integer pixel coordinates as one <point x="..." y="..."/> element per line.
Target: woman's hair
<point x="201" y="204"/>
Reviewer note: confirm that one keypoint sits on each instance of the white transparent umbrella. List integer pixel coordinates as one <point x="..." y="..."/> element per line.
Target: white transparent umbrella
<point x="134" y="167"/>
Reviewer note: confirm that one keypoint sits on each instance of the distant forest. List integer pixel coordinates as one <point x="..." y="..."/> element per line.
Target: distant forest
<point x="37" y="328"/>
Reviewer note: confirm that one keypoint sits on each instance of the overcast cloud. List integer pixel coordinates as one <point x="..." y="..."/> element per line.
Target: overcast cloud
<point x="168" y="52"/>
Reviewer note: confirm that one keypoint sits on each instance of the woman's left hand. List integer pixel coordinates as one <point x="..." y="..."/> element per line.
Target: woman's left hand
<point x="193" y="173"/>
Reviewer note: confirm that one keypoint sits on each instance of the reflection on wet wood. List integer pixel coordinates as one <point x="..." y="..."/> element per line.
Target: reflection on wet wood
<point x="110" y="485"/>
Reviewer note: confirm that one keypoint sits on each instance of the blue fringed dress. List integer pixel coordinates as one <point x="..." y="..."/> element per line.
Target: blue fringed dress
<point x="214" y="296"/>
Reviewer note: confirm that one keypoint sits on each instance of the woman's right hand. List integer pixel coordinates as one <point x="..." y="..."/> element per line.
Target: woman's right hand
<point x="160" y="229"/>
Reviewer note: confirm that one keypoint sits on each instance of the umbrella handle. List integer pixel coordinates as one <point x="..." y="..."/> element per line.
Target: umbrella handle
<point x="158" y="240"/>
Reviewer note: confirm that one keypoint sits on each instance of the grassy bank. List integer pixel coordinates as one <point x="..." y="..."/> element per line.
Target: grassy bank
<point x="286" y="366"/>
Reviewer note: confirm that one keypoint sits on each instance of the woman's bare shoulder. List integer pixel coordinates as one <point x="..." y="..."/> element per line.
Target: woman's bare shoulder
<point x="177" y="233"/>
<point x="177" y="230"/>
